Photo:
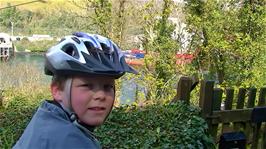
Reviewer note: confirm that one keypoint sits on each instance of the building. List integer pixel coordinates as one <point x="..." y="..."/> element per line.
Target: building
<point x="6" y="47"/>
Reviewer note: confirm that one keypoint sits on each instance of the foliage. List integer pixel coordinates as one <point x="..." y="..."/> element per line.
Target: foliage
<point x="95" y="13"/>
<point x="160" y="49"/>
<point x="43" y="21"/>
<point x="8" y="16"/>
<point x="16" y="114"/>
<point x="228" y="38"/>
<point x="35" y="46"/>
<point x="24" y="87"/>
<point x="155" y="126"/>
<point x="109" y="18"/>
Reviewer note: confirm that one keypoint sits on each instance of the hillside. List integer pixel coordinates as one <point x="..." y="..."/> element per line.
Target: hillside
<point x="49" y="4"/>
<point x="54" y="17"/>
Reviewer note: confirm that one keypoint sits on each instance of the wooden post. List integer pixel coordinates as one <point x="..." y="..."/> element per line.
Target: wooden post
<point x="206" y="102"/>
<point x="262" y="97"/>
<point x="250" y="104"/>
<point x="229" y="98"/>
<point x="206" y="97"/>
<point x="228" y="106"/>
<point x="241" y="98"/>
<point x="217" y="100"/>
<point x="255" y="138"/>
<point x="263" y="144"/>
<point x="251" y="97"/>
<point x="240" y="105"/>
<point x="261" y="102"/>
<point x="183" y="89"/>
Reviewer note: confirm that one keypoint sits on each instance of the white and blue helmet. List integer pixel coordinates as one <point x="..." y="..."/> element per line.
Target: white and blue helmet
<point x="83" y="53"/>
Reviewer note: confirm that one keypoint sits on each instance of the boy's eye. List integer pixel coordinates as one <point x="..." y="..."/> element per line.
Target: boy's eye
<point x="108" y="87"/>
<point x="89" y="86"/>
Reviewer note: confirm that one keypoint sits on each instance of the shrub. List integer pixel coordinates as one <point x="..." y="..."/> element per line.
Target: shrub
<point x="155" y="126"/>
<point x="15" y="116"/>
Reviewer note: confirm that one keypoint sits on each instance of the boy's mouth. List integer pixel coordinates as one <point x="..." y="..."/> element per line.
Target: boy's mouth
<point x="97" y="108"/>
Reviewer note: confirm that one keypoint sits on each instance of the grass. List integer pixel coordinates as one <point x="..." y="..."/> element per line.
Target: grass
<point x="18" y="74"/>
<point x="24" y="87"/>
<point x="21" y="78"/>
<point x="36" y="46"/>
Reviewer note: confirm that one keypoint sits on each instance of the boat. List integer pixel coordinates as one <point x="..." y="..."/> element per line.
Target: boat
<point x="7" y="49"/>
<point x="134" y="61"/>
<point x="134" y="57"/>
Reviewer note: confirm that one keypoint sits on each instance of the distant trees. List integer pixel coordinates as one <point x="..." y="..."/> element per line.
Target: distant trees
<point x="54" y="21"/>
<point x="106" y="17"/>
<point x="10" y="17"/>
<point x="230" y="38"/>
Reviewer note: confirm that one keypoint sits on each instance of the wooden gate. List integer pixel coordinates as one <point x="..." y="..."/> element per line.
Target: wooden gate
<point x="233" y="113"/>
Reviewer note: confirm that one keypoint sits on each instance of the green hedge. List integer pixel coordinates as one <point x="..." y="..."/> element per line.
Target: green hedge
<point x="154" y="126"/>
<point x="19" y="106"/>
<point x="14" y="119"/>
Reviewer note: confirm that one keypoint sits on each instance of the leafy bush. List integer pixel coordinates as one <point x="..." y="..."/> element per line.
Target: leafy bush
<point x="155" y="126"/>
<point x="15" y="116"/>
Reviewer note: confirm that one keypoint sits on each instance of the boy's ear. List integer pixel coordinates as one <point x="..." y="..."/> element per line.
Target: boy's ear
<point x="57" y="93"/>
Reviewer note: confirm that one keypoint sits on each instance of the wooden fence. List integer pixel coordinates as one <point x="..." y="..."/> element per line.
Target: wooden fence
<point x="231" y="113"/>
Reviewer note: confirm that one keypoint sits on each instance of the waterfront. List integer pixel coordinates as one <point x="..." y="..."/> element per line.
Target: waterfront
<point x="36" y="61"/>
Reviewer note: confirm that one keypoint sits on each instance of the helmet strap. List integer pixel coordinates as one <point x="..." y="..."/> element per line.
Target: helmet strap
<point x="69" y="109"/>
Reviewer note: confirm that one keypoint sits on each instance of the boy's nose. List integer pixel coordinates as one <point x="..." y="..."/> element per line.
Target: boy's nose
<point x="99" y="95"/>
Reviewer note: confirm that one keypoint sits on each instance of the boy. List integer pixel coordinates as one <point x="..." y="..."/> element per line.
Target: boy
<point x="84" y="68"/>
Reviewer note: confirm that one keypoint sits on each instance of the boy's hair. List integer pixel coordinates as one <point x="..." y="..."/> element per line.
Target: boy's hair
<point x="59" y="81"/>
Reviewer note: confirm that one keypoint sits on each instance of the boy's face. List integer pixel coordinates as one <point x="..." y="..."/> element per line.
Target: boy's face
<point x="92" y="98"/>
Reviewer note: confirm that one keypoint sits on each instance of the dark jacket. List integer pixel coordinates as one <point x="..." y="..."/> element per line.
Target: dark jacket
<point x="51" y="128"/>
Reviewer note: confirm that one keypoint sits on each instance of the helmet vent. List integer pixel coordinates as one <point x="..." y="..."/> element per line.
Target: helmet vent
<point x="76" y="39"/>
<point x="106" y="49"/>
<point x="91" y="49"/>
<point x="71" y="50"/>
<point x="88" y="45"/>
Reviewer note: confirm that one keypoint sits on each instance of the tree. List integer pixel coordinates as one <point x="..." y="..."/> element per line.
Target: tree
<point x="108" y="18"/>
<point x="224" y="33"/>
<point x="9" y="17"/>
<point x="161" y="48"/>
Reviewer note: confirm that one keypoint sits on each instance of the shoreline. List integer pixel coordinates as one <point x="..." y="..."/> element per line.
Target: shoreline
<point x="29" y="52"/>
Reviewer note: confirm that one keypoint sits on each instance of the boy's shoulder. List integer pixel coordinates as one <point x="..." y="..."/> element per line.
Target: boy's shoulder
<point x="50" y="129"/>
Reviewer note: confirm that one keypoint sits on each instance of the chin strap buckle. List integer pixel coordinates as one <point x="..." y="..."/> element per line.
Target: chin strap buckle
<point x="73" y="117"/>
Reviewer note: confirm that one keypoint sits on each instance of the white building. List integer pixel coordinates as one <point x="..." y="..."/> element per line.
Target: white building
<point x="38" y="37"/>
<point x="6" y="47"/>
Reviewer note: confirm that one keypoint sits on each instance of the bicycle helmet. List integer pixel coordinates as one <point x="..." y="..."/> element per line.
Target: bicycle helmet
<point x="83" y="53"/>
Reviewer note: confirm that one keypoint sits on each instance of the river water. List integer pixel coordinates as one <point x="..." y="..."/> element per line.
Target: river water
<point x="128" y="87"/>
